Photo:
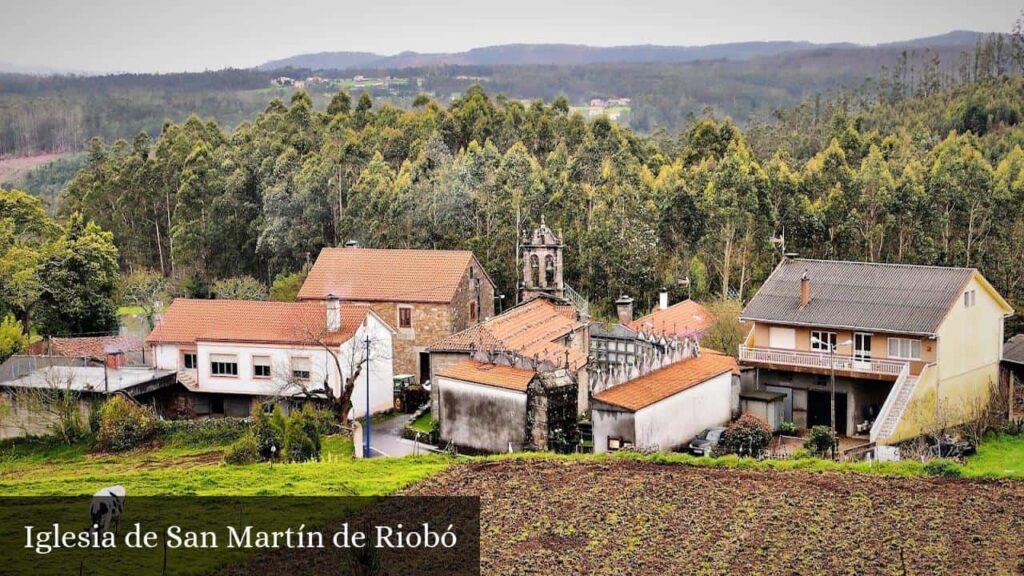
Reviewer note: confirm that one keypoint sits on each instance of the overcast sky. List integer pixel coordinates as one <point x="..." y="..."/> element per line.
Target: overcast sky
<point x="176" y="35"/>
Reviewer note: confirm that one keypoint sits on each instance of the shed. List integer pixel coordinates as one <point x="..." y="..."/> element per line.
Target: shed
<point x="666" y="408"/>
<point x="497" y="408"/>
<point x="768" y="406"/>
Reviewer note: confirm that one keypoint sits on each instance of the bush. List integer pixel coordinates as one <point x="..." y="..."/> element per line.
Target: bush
<point x="124" y="425"/>
<point x="747" y="436"/>
<point x="301" y="438"/>
<point x="12" y="339"/>
<point x="286" y="286"/>
<point x="820" y="441"/>
<point x="243" y="451"/>
<point x="269" y="433"/>
<point x="239" y="288"/>
<point x="787" y="428"/>
<point x="942" y="467"/>
<point x="214" y="431"/>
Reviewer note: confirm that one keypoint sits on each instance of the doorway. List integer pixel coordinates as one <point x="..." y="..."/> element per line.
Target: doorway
<point x="819" y="410"/>
<point x="424" y="366"/>
<point x="862" y="350"/>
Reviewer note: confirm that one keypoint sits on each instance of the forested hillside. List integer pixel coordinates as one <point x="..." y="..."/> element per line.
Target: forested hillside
<point x="59" y="114"/>
<point x="929" y="179"/>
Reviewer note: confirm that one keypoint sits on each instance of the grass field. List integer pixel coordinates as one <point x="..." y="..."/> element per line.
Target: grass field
<point x="657" y="513"/>
<point x="43" y="468"/>
<point x="58" y="470"/>
<point x="998" y="456"/>
<point x="422" y="424"/>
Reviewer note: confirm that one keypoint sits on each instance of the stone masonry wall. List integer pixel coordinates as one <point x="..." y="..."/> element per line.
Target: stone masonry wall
<point x="466" y="294"/>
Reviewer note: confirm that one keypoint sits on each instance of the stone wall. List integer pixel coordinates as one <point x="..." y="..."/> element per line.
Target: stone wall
<point x="432" y="322"/>
<point x="468" y="293"/>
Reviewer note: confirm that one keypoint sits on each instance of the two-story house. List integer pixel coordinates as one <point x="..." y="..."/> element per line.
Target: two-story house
<point x="425" y="294"/>
<point x="231" y="354"/>
<point x="912" y="348"/>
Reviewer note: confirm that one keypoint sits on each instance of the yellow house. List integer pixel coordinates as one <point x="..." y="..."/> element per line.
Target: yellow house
<point x="896" y="337"/>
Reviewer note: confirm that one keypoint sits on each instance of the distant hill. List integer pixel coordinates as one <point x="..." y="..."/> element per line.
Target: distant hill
<point x="576" y="54"/>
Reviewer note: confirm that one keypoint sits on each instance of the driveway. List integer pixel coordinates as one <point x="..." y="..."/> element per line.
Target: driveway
<point x="386" y="439"/>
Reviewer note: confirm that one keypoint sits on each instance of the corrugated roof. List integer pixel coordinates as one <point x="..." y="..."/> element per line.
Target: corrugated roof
<point x="686" y="318"/>
<point x="529" y="329"/>
<point x="380" y="275"/>
<point x="668" y="381"/>
<point x="1013" y="350"/>
<point x="189" y="321"/>
<point x="490" y="374"/>
<point x="898" y="298"/>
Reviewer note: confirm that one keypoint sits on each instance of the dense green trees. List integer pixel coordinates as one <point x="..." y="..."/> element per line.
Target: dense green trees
<point x="891" y="181"/>
<point x="61" y="279"/>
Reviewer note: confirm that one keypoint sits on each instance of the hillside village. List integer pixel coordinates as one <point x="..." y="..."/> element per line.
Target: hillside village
<point x="878" y="355"/>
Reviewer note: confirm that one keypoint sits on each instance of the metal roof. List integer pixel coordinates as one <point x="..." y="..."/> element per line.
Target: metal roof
<point x="898" y="298"/>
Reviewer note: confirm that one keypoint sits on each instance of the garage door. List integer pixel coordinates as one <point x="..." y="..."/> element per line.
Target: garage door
<point x="784" y="338"/>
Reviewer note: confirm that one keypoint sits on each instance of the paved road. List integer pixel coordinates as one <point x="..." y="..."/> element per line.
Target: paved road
<point x="386" y="439"/>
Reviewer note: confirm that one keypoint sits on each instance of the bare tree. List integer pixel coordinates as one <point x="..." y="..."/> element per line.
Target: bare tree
<point x="349" y="360"/>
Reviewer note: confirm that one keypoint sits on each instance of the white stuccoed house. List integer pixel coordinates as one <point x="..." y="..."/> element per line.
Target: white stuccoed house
<point x="232" y="354"/>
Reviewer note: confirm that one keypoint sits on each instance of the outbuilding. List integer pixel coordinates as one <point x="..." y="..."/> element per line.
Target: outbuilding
<point x="492" y="407"/>
<point x="667" y="407"/>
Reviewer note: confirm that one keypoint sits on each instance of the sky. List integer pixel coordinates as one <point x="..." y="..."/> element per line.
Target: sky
<point x="195" y="35"/>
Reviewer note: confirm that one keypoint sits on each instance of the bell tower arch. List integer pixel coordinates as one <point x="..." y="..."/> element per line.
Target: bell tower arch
<point x="541" y="257"/>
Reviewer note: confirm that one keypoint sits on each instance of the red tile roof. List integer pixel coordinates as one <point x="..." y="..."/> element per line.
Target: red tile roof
<point x="379" y="275"/>
<point x="490" y="374"/>
<point x="530" y="329"/>
<point x="686" y="318"/>
<point x="92" y="346"/>
<point x="668" y="381"/>
<point x="188" y="321"/>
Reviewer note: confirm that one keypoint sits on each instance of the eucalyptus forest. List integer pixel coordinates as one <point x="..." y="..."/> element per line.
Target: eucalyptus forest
<point x="932" y="174"/>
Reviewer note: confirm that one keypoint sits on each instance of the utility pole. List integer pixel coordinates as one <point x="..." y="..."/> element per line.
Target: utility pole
<point x="366" y="419"/>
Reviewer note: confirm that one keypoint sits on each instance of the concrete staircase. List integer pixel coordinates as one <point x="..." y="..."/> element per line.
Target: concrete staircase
<point x="895" y="405"/>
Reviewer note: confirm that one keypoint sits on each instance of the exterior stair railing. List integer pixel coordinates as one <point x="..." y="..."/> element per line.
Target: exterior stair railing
<point x="577" y="300"/>
<point x="895" y="403"/>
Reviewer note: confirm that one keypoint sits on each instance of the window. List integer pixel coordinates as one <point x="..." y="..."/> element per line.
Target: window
<point x="300" y="368"/>
<point x="823" y="341"/>
<point x="970" y="298"/>
<point x="472" y="311"/>
<point x="614" y="444"/>
<point x="261" y="366"/>
<point x="905" y="348"/>
<point x="223" y="365"/>
<point x="190" y="360"/>
<point x="405" y="317"/>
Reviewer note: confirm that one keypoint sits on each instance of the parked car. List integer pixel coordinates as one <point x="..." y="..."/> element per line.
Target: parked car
<point x="706" y="441"/>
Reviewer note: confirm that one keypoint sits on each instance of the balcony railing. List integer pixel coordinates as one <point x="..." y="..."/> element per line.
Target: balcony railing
<point x="821" y="360"/>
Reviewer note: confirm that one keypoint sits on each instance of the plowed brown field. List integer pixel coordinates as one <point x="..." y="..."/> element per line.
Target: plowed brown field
<point x="562" y="517"/>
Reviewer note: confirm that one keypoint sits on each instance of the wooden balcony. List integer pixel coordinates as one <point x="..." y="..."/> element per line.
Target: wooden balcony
<point x="822" y="363"/>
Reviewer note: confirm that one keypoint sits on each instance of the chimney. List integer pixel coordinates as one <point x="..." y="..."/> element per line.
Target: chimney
<point x="333" y="305"/>
<point x="663" y="299"/>
<point x="624" y="306"/>
<point x="353" y="244"/>
<point x="805" y="289"/>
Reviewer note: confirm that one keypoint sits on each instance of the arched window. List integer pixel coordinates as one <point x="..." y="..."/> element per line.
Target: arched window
<point x="549" y="271"/>
<point x="534" y="271"/>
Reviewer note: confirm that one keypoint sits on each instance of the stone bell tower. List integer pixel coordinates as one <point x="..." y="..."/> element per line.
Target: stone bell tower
<point x="541" y="254"/>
